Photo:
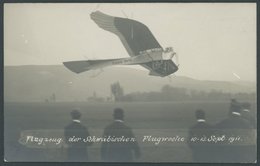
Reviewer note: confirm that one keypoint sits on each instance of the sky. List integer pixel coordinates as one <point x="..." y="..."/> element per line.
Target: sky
<point x="214" y="41"/>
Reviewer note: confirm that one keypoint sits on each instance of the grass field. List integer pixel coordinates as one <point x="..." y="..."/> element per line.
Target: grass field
<point x="151" y="118"/>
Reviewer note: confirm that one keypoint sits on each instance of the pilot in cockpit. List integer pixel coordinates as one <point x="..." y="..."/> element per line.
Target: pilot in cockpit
<point x="168" y="53"/>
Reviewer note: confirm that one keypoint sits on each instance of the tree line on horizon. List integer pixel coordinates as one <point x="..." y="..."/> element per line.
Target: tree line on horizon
<point x="169" y="93"/>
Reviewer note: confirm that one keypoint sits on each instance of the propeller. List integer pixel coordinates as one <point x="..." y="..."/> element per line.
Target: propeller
<point x="169" y="78"/>
<point x="177" y="59"/>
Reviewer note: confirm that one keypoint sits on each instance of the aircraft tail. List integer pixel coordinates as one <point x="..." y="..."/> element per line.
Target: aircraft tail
<point x="77" y="66"/>
<point x="81" y="66"/>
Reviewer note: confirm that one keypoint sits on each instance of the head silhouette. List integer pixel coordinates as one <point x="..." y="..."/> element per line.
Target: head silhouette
<point x="200" y="114"/>
<point x="118" y="114"/>
<point x="235" y="106"/>
<point x="75" y="114"/>
<point x="246" y="107"/>
<point x="233" y="101"/>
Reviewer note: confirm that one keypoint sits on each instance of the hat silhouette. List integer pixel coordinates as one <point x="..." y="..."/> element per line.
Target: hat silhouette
<point x="75" y="114"/>
<point x="235" y="106"/>
<point x="200" y="114"/>
<point x="118" y="113"/>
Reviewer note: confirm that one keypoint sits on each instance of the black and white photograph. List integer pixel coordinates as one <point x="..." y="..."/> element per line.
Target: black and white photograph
<point x="130" y="82"/>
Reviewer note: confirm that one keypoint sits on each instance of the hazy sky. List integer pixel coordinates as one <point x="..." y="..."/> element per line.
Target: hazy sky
<point x="213" y="41"/>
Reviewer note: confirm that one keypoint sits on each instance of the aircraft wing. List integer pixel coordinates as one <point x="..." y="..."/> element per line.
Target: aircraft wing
<point x="134" y="35"/>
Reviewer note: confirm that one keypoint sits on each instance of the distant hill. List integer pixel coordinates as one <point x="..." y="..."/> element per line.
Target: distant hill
<point x="37" y="83"/>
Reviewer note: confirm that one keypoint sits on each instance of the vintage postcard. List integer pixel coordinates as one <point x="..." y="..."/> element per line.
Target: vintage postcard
<point x="130" y="82"/>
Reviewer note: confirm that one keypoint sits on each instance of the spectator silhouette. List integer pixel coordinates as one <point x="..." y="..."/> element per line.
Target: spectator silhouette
<point x="235" y="125"/>
<point x="119" y="151"/>
<point x="248" y="115"/>
<point x="234" y="106"/>
<point x="202" y="151"/>
<point x="77" y="151"/>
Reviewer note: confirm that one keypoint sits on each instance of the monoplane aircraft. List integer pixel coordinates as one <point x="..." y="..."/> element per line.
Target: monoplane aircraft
<point x="139" y="42"/>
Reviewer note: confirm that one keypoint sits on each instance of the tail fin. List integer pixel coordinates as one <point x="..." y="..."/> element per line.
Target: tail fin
<point x="77" y="66"/>
<point x="81" y="66"/>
